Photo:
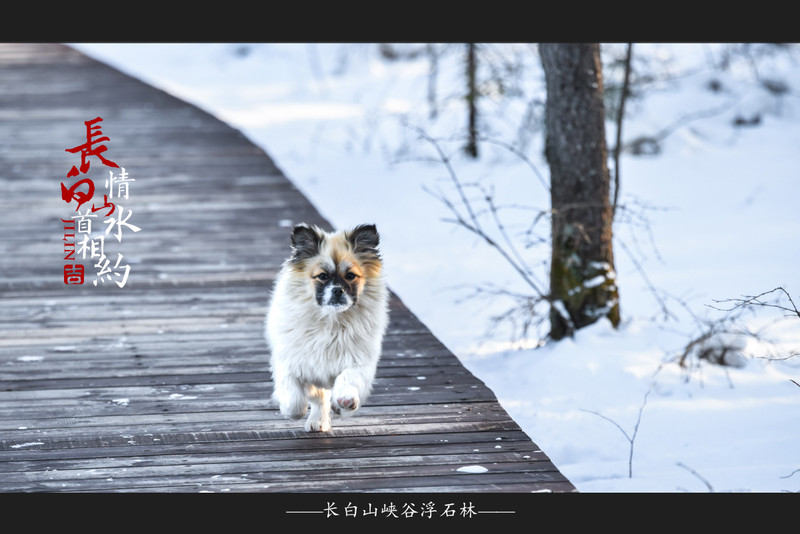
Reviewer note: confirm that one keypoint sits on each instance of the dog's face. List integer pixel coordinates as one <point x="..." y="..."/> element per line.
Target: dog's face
<point x="335" y="267"/>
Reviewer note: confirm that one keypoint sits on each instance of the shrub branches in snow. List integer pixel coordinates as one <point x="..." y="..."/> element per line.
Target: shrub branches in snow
<point x="757" y="300"/>
<point x="630" y="437"/>
<point x="723" y="341"/>
<point x="526" y="312"/>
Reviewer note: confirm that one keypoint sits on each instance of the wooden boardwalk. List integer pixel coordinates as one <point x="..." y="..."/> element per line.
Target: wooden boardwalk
<point x="162" y="385"/>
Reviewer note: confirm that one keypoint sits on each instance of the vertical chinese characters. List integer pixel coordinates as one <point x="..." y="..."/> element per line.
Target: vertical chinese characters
<point x="94" y="136"/>
<point x="80" y="240"/>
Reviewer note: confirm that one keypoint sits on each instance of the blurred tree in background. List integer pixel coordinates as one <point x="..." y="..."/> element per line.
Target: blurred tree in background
<point x="583" y="284"/>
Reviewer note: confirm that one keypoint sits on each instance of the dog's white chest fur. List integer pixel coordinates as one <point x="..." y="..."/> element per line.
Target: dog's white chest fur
<point x="315" y="347"/>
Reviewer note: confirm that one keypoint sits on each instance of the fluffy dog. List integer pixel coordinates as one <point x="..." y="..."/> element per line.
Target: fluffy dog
<point x="325" y="323"/>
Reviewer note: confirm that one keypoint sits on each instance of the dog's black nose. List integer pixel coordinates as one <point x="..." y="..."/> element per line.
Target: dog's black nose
<point x="337" y="292"/>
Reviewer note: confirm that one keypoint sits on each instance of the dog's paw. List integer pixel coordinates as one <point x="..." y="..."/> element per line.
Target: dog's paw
<point x="345" y="401"/>
<point x="317" y="425"/>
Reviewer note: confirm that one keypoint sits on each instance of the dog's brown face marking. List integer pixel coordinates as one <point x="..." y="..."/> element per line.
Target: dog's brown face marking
<point x="336" y="265"/>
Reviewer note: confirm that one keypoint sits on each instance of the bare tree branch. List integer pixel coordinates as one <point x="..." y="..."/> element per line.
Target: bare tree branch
<point x="664" y="308"/>
<point x="756" y="301"/>
<point x="695" y="473"/>
<point x="631" y="438"/>
<point x="523" y="157"/>
<point x="472" y="223"/>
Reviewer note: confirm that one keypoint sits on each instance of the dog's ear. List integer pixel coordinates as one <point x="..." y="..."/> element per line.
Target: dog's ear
<point x="365" y="239"/>
<point x="305" y="242"/>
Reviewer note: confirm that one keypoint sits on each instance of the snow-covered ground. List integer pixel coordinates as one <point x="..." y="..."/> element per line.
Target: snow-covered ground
<point x="711" y="216"/>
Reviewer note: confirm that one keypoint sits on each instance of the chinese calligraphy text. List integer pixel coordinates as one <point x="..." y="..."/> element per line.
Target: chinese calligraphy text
<point x="80" y="243"/>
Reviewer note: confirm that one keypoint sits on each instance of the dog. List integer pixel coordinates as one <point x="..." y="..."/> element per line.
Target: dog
<point x="325" y="323"/>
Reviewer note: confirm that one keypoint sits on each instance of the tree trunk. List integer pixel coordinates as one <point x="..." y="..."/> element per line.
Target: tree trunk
<point x="582" y="276"/>
<point x="472" y="97"/>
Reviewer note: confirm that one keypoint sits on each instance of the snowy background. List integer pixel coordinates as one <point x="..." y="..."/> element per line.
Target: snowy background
<point x="709" y="212"/>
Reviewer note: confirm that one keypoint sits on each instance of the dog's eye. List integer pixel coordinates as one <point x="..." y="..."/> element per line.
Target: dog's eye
<point x="350" y="277"/>
<point x="323" y="276"/>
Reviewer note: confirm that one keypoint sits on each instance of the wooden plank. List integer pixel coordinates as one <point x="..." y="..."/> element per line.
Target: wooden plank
<point x="163" y="385"/>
